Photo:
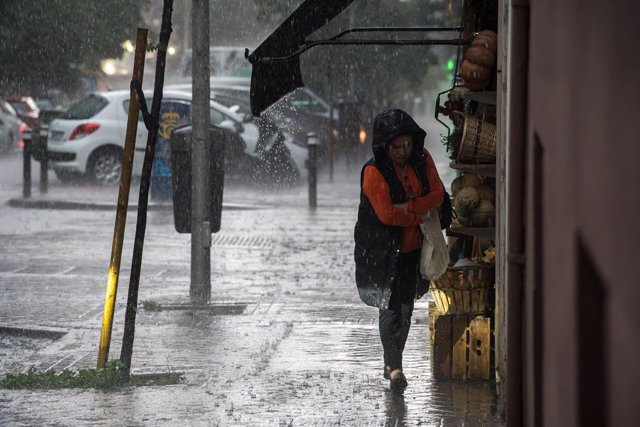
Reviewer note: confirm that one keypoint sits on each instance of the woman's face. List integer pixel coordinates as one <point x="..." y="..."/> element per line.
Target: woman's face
<point x="400" y="149"/>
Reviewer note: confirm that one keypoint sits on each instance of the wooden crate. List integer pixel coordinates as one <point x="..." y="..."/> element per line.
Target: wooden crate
<point x="463" y="290"/>
<point x="460" y="346"/>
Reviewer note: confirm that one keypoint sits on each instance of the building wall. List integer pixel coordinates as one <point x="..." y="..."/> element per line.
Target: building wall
<point x="583" y="169"/>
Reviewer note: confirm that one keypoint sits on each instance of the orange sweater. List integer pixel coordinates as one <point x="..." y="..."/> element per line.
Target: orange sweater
<point x="377" y="190"/>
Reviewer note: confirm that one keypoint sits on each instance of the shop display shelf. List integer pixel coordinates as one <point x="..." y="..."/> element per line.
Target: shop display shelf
<point x="485" y="97"/>
<point x="480" y="169"/>
<point x="483" y="232"/>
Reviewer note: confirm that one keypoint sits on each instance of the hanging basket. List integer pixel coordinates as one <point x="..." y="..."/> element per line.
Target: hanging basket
<point x="478" y="143"/>
<point x="462" y="290"/>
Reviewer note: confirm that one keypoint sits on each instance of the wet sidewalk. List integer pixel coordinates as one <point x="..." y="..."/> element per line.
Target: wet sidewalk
<point x="301" y="350"/>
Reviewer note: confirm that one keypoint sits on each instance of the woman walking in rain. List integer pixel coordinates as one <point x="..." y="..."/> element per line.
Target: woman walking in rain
<point x="397" y="186"/>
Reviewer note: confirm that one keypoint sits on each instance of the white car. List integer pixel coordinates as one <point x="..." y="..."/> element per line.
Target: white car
<point x="88" y="139"/>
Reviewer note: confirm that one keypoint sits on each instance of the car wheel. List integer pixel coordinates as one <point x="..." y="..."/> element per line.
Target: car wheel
<point x="105" y="166"/>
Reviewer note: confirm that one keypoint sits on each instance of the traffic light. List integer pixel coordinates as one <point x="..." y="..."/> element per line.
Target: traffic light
<point x="451" y="64"/>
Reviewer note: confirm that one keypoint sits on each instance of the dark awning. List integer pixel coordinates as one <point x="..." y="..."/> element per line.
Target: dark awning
<point x="272" y="80"/>
<point x="276" y="62"/>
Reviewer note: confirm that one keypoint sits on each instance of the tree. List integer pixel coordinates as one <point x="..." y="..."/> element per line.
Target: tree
<point x="47" y="44"/>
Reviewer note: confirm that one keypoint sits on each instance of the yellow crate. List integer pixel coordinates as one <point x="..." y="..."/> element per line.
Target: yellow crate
<point x="461" y="346"/>
<point x="463" y="290"/>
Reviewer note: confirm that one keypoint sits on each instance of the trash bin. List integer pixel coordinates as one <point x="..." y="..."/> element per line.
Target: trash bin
<point x="181" y="139"/>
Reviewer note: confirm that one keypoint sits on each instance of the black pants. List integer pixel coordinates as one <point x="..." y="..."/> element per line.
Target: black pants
<point x="394" y="323"/>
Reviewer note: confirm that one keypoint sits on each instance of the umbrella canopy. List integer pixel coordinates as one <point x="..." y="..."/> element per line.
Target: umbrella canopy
<point x="272" y="79"/>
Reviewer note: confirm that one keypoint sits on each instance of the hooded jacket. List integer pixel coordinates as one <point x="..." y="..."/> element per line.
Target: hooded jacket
<point x="377" y="245"/>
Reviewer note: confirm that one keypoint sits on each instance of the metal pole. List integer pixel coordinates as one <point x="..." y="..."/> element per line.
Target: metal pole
<point x="44" y="159"/>
<point x="341" y="129"/>
<point x="123" y="202"/>
<point x="26" y="168"/>
<point x="312" y="146"/>
<point x="200" y="290"/>
<point x="333" y="126"/>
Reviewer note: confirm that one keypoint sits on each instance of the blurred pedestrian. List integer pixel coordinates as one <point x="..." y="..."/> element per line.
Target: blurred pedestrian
<point x="398" y="185"/>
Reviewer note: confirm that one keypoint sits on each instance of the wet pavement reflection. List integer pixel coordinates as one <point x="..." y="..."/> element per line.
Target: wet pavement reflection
<point x="303" y="351"/>
<point x="395" y="407"/>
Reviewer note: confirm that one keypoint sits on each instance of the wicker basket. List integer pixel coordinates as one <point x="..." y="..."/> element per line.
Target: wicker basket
<point x="463" y="290"/>
<point x="478" y="144"/>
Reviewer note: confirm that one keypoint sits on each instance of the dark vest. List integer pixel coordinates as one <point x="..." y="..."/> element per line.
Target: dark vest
<point x="377" y="246"/>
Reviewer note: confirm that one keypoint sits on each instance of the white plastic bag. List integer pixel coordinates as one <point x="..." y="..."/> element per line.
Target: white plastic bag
<point x="434" y="257"/>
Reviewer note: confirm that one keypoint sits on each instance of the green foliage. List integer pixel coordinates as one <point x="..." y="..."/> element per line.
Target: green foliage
<point x="52" y="43"/>
<point x="452" y="143"/>
<point x="150" y="47"/>
<point x="106" y="378"/>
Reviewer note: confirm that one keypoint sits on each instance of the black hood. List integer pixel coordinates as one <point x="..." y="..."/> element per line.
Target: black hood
<point x="392" y="123"/>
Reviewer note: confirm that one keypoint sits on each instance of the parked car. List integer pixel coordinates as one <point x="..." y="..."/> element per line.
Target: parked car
<point x="47" y="104"/>
<point x="297" y="113"/>
<point x="10" y="127"/>
<point x="26" y="108"/>
<point x="302" y="111"/>
<point x="88" y="139"/>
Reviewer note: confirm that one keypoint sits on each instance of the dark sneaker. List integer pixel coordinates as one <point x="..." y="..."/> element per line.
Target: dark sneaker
<point x="386" y="372"/>
<point x="398" y="383"/>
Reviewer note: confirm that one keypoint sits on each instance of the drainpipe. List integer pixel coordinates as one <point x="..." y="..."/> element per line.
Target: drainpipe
<point x="515" y="178"/>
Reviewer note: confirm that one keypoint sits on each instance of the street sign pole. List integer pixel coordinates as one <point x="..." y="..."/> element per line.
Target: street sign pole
<point x="312" y="148"/>
<point x="200" y="290"/>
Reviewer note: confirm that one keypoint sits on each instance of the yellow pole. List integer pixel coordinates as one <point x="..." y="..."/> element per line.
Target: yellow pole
<point x="123" y="201"/>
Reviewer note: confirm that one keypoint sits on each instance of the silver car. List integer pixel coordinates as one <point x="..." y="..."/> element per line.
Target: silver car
<point x="9" y="128"/>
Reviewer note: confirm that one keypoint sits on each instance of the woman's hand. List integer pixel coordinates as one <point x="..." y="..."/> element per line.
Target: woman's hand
<point x="401" y="206"/>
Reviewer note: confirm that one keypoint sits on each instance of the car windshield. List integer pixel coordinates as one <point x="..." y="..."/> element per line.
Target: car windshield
<point x="86" y="108"/>
<point x="6" y="108"/>
<point x="45" y="104"/>
<point x="17" y="106"/>
<point x="216" y="117"/>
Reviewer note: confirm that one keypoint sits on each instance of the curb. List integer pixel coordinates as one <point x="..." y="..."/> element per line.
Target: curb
<point x="69" y="205"/>
<point x="33" y="331"/>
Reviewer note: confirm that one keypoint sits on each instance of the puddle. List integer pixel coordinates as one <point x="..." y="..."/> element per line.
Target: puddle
<point x="16" y="348"/>
<point x="156" y="379"/>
